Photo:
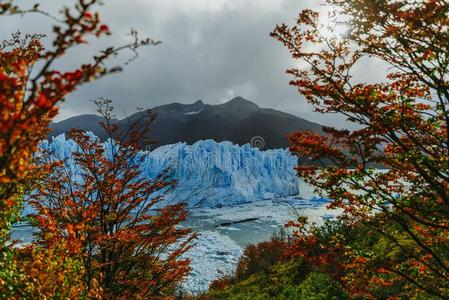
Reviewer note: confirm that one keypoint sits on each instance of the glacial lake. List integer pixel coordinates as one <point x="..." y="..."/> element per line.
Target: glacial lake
<point x="224" y="233"/>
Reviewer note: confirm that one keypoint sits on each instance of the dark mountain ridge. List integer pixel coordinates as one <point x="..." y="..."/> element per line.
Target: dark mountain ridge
<point x="238" y="121"/>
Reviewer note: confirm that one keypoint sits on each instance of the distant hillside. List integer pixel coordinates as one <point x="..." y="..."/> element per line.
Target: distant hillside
<point x="238" y="121"/>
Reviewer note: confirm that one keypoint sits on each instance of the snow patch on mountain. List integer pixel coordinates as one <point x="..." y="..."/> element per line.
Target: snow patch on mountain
<point x="189" y="113"/>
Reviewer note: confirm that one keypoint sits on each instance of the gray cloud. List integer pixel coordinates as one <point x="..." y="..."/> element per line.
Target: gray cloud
<point x="211" y="50"/>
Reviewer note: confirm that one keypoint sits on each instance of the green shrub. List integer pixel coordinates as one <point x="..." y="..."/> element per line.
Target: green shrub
<point x="319" y="286"/>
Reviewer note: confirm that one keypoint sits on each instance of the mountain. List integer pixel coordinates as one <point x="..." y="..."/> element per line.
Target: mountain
<point x="238" y="121"/>
<point x="83" y="122"/>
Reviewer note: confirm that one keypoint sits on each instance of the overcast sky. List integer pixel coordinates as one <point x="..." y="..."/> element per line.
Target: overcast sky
<point x="212" y="50"/>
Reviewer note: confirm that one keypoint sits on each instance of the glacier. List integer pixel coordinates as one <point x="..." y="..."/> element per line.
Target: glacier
<point x="209" y="173"/>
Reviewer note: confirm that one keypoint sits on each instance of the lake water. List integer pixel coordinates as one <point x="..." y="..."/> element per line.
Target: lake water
<point x="218" y="247"/>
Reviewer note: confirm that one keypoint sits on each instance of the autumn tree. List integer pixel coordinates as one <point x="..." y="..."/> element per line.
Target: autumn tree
<point x="30" y="89"/>
<point x="99" y="198"/>
<point x="403" y="126"/>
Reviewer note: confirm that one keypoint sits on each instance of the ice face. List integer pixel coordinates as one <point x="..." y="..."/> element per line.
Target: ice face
<point x="211" y="174"/>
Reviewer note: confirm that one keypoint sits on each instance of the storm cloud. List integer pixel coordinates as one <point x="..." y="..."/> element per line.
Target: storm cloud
<point x="212" y="50"/>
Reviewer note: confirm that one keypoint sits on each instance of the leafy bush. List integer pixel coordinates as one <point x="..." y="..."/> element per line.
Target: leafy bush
<point x="260" y="257"/>
<point x="281" y="281"/>
<point x="319" y="286"/>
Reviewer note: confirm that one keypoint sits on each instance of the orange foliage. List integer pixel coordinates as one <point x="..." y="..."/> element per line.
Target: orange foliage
<point x="403" y="127"/>
<point x="256" y="259"/>
<point x="54" y="272"/>
<point x="260" y="257"/>
<point x="105" y="211"/>
<point x="30" y="89"/>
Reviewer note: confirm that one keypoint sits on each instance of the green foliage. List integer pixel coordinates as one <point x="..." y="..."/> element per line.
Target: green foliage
<point x="264" y="285"/>
<point x="13" y="215"/>
<point x="9" y="274"/>
<point x="293" y="279"/>
<point x="319" y="286"/>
